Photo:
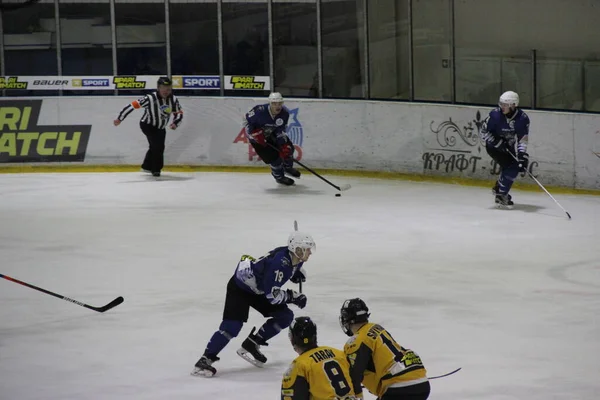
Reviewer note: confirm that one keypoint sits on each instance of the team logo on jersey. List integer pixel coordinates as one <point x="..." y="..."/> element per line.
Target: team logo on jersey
<point x="23" y="139"/>
<point x="165" y="109"/>
<point x="295" y="132"/>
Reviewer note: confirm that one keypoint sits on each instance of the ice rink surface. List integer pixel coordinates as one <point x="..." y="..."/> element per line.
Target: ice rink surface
<point x="512" y="297"/>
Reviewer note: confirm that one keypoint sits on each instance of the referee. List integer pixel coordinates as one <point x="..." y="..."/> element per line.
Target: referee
<point x="158" y="107"/>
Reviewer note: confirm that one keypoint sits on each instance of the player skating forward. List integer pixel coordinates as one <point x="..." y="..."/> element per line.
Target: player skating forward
<point x="319" y="372"/>
<point x="506" y="127"/>
<point x="266" y="126"/>
<point x="385" y="368"/>
<point x="258" y="283"/>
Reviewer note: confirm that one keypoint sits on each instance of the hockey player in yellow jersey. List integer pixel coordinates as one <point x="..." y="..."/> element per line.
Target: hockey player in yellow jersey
<point x="385" y="368"/>
<point x="319" y="372"/>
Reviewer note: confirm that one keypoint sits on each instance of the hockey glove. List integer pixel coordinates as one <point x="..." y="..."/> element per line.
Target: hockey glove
<point x="500" y="145"/>
<point x="299" y="276"/>
<point x="285" y="151"/>
<point x="293" y="297"/>
<point x="259" y="136"/>
<point x="523" y="161"/>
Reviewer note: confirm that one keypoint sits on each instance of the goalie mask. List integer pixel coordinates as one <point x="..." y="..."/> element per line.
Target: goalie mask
<point x="303" y="333"/>
<point x="353" y="311"/>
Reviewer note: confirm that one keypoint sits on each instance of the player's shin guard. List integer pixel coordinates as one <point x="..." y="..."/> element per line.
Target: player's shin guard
<point x="507" y="177"/>
<point x="227" y="331"/>
<point x="274" y="325"/>
<point x="278" y="171"/>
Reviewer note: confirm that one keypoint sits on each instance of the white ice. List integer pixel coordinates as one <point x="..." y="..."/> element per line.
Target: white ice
<point x="512" y="297"/>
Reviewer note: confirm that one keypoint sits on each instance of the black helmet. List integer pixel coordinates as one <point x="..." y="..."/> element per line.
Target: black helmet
<point x="303" y="333"/>
<point x="163" y="80"/>
<point x="353" y="311"/>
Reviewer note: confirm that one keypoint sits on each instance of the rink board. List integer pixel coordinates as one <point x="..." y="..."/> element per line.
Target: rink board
<point x="427" y="140"/>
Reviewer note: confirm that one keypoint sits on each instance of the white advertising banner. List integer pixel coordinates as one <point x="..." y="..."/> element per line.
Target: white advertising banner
<point x="140" y="82"/>
<point x="358" y="135"/>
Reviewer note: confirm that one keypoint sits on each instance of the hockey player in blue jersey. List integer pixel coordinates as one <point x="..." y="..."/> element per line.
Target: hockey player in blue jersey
<point x="507" y="127"/>
<point x="266" y="126"/>
<point x="258" y="283"/>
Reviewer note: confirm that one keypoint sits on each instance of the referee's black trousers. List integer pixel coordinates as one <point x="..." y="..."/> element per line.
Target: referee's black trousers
<point x="154" y="160"/>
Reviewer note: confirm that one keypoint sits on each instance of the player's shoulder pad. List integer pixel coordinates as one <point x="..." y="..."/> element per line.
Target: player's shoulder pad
<point x="352" y="344"/>
<point x="496" y="113"/>
<point x="289" y="376"/>
<point x="283" y="255"/>
<point x="259" y="108"/>
<point x="523" y="115"/>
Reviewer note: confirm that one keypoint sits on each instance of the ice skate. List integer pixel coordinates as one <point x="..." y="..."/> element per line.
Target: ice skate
<point x="293" y="172"/>
<point x="251" y="346"/>
<point x="284" y="180"/>
<point x="204" y="367"/>
<point x="504" y="201"/>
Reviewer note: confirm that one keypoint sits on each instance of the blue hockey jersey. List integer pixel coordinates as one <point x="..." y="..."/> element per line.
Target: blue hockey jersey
<point x="514" y="130"/>
<point x="266" y="275"/>
<point x="274" y="127"/>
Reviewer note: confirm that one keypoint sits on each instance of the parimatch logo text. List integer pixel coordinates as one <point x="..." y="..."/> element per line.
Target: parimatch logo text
<point x="23" y="140"/>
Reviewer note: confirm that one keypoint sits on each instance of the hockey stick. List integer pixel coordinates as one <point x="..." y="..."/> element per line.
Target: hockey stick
<point x="299" y="282"/>
<point x="340" y="188"/>
<point x="543" y="188"/>
<point x="102" y="309"/>
<point x="449" y="373"/>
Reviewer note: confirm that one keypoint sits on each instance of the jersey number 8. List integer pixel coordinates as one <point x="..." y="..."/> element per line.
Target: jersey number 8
<point x="336" y="378"/>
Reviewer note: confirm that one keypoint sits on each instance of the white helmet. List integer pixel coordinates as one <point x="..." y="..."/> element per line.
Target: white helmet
<point x="301" y="240"/>
<point x="275" y="97"/>
<point x="511" y="98"/>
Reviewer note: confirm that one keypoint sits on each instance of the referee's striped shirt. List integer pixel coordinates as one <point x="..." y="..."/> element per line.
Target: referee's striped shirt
<point x="157" y="110"/>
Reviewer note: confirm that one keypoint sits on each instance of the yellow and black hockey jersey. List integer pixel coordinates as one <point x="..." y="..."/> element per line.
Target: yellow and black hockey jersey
<point x="379" y="362"/>
<point x="322" y="373"/>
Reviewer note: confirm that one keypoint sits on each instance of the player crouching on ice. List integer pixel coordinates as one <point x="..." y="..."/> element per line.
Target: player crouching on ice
<point x="266" y="126"/>
<point x="506" y="127"/>
<point x="319" y="372"/>
<point x="258" y="283"/>
<point x="385" y="368"/>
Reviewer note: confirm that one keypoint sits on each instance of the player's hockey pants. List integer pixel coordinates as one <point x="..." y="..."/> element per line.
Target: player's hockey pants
<point x="414" y="392"/>
<point x="271" y="156"/>
<point x="236" y="311"/>
<point x="509" y="168"/>
<point x="154" y="160"/>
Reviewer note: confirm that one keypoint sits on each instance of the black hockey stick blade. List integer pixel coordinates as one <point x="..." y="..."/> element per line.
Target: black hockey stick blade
<point x="449" y="373"/>
<point x="107" y="307"/>
<point x="102" y="309"/>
